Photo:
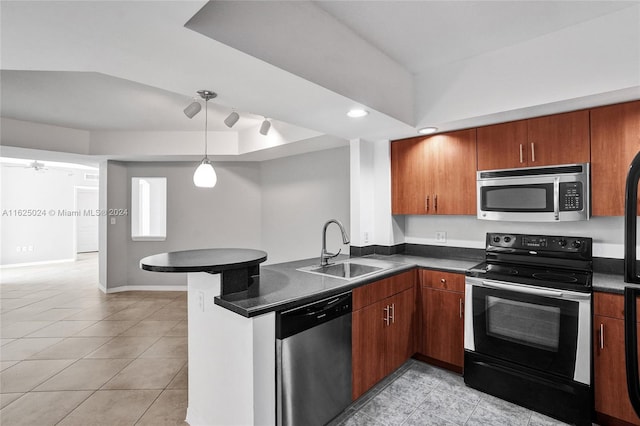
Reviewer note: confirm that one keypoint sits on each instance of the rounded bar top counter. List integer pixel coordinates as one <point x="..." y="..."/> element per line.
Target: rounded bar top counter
<point x="237" y="266"/>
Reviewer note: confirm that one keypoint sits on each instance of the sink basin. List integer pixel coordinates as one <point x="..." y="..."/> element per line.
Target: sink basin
<point x="345" y="270"/>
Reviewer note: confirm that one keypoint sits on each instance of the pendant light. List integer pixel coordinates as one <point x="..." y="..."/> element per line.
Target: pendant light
<point x="205" y="175"/>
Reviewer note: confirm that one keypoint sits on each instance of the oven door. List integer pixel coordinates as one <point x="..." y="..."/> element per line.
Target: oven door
<point x="540" y="328"/>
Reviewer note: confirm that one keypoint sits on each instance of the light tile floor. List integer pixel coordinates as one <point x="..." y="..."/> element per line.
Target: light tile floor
<point x="419" y="394"/>
<point x="71" y="355"/>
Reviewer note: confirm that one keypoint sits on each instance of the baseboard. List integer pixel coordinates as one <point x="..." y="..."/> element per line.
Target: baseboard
<point x="43" y="262"/>
<point x="438" y="363"/>
<point x="122" y="288"/>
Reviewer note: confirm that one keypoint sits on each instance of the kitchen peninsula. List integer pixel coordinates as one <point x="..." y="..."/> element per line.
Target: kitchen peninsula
<point x="231" y="342"/>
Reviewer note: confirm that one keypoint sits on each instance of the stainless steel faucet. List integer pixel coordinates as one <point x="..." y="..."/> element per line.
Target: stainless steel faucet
<point x="324" y="254"/>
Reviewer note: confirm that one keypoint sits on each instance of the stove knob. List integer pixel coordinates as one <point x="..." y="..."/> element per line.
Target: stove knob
<point x="576" y="244"/>
<point x="562" y="242"/>
<point x="496" y="239"/>
<point x="507" y="239"/>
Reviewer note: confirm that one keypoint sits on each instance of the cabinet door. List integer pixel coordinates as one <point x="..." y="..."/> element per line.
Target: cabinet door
<point x="368" y="347"/>
<point x="610" y="380"/>
<point x="452" y="159"/>
<point x="559" y="139"/>
<point x="401" y="332"/>
<point x="615" y="140"/>
<point x="408" y="176"/>
<point x="503" y="146"/>
<point x="443" y="325"/>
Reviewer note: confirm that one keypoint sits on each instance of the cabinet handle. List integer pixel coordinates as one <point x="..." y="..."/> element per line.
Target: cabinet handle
<point x="426" y="203"/>
<point x="521" y="159"/>
<point x="393" y="313"/>
<point x="461" y="307"/>
<point x="533" y="152"/>
<point x="386" y="315"/>
<point x="443" y="280"/>
<point x="435" y="202"/>
<point x="601" y="336"/>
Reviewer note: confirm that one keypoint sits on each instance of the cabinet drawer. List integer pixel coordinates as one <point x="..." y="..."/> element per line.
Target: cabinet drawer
<point x="611" y="305"/>
<point x="378" y="290"/>
<point x="442" y="280"/>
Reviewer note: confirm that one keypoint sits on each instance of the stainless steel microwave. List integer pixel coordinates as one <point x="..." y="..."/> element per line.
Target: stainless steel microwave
<point x="537" y="194"/>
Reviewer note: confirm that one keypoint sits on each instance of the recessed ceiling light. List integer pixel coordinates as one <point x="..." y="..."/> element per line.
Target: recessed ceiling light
<point x="427" y="130"/>
<point x="357" y="113"/>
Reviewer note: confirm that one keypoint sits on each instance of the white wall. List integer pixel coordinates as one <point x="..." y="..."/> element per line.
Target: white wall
<point x="468" y="231"/>
<point x="278" y="206"/>
<point x="48" y="237"/>
<point x="299" y="194"/>
<point x="25" y="134"/>
<point x="225" y="216"/>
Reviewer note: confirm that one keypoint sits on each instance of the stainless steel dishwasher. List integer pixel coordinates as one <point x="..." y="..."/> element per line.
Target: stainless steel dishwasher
<point x="313" y="349"/>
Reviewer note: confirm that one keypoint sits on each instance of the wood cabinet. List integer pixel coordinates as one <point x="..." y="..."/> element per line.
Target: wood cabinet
<point x="442" y="299"/>
<point x="543" y="141"/>
<point x="384" y="329"/>
<point x="615" y="140"/>
<point x="434" y="174"/>
<point x="610" y="381"/>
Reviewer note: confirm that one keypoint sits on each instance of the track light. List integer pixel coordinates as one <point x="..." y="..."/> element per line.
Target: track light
<point x="232" y="119"/>
<point x="192" y="109"/>
<point x="205" y="175"/>
<point x="264" y="127"/>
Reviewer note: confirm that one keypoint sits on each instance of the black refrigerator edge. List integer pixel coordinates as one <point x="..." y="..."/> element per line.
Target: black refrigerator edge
<point x="631" y="276"/>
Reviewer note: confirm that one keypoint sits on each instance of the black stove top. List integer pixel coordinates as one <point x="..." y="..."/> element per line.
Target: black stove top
<point x="541" y="277"/>
<point x="540" y="260"/>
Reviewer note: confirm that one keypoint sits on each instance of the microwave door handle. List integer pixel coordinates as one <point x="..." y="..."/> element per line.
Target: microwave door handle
<point x="556" y="198"/>
<point x="527" y="290"/>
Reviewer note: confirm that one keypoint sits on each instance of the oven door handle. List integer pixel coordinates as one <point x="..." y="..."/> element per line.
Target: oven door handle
<point x="556" y="198"/>
<point x="527" y="290"/>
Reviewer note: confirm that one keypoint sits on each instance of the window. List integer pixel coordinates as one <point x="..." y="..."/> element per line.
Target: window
<point x="148" y="208"/>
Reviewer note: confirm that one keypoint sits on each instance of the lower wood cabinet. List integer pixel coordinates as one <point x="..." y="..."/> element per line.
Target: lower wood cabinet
<point x="610" y="380"/>
<point x="442" y="300"/>
<point x="384" y="329"/>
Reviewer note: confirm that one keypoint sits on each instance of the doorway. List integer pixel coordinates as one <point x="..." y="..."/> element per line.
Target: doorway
<point x="87" y="219"/>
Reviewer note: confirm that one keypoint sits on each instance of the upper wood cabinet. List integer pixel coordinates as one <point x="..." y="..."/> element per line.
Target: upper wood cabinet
<point x="615" y="140"/>
<point x="542" y="141"/>
<point x="434" y="174"/>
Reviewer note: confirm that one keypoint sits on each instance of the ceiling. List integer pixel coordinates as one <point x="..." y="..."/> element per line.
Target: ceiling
<point x="109" y="65"/>
<point x="422" y="34"/>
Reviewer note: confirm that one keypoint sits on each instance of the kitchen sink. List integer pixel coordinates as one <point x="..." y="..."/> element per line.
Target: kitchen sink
<point x="345" y="270"/>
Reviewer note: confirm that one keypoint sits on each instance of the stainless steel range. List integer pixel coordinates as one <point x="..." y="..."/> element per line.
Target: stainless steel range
<point x="528" y="324"/>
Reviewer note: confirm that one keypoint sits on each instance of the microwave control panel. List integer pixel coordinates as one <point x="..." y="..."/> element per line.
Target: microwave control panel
<point x="571" y="196"/>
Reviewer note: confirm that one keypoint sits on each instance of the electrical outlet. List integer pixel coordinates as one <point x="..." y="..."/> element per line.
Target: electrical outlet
<point x="441" y="237"/>
<point x="366" y="237"/>
<point x="113" y="220"/>
<point x="201" y="301"/>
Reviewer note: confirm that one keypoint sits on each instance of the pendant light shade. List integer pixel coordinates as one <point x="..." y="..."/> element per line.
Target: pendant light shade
<point x="205" y="175"/>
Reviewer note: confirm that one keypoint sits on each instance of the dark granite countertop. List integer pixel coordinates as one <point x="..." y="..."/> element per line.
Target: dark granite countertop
<point x="283" y="286"/>
<point x="203" y="260"/>
<point x="610" y="283"/>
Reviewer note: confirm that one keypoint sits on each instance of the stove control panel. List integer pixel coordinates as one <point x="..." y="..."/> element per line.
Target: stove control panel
<point x="547" y="243"/>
